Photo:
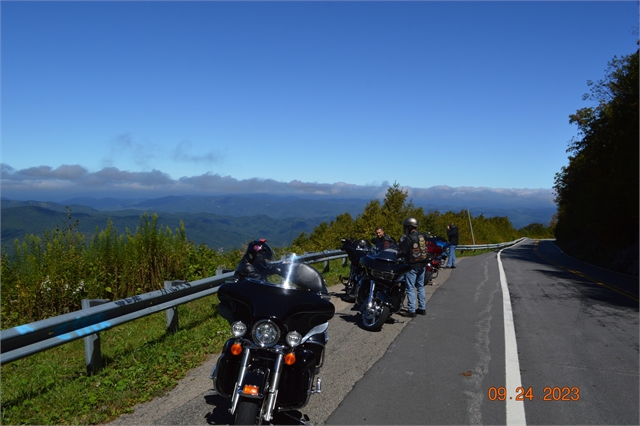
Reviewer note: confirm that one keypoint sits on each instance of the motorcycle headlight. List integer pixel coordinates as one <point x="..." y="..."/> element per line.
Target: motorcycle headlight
<point x="294" y="338"/>
<point x="265" y="333"/>
<point x="238" y="329"/>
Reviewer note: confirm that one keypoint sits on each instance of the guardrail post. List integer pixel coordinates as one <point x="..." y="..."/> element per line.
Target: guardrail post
<point x="92" y="352"/>
<point x="326" y="266"/>
<point x="172" y="313"/>
<point x="345" y="261"/>
<point x="222" y="270"/>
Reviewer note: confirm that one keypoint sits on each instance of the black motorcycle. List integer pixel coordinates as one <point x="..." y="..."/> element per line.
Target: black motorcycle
<point x="355" y="251"/>
<point x="381" y="292"/>
<point x="280" y="333"/>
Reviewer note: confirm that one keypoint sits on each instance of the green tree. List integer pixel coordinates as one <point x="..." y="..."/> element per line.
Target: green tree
<point x="597" y="192"/>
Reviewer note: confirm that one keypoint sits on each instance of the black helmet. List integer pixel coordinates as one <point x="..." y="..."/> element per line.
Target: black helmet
<point x="410" y="222"/>
<point x="258" y="253"/>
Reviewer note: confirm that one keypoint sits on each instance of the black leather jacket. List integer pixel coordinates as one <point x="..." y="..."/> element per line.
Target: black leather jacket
<point x="452" y="234"/>
<point x="247" y="270"/>
<point x="385" y="242"/>
<point x="406" y="246"/>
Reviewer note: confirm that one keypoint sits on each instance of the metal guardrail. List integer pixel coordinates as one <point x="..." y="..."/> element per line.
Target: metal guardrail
<point x="489" y="246"/>
<point x="100" y="315"/>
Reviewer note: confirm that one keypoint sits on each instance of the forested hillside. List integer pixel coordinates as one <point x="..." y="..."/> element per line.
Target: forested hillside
<point x="397" y="206"/>
<point x="597" y="193"/>
<point x="216" y="231"/>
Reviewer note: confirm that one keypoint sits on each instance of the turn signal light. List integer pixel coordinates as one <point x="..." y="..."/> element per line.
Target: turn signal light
<point x="290" y="358"/>
<point x="236" y="349"/>
<point x="250" y="390"/>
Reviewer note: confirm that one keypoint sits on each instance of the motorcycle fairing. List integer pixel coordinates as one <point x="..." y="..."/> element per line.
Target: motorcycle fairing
<point x="293" y="309"/>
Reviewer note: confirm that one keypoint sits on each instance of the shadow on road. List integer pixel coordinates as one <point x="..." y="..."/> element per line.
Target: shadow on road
<point x="352" y="318"/>
<point x="220" y="414"/>
<point x="608" y="293"/>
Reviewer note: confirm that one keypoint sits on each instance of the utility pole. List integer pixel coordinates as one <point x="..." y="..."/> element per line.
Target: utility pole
<point x="471" y="226"/>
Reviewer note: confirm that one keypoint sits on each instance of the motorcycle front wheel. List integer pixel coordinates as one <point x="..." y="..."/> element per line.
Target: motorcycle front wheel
<point x="374" y="316"/>
<point x="247" y="412"/>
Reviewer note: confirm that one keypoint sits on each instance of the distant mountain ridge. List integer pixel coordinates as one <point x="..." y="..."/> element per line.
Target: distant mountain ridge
<point x="288" y="207"/>
<point x="217" y="221"/>
<point x="232" y="205"/>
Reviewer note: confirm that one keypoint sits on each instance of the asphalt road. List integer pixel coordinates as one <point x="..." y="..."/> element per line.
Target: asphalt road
<point x="576" y="327"/>
<point x="576" y="331"/>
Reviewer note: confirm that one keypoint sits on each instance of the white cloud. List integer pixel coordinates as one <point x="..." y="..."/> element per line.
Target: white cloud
<point x="68" y="181"/>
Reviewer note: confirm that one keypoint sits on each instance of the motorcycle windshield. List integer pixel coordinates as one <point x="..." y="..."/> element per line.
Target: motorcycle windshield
<point x="251" y="300"/>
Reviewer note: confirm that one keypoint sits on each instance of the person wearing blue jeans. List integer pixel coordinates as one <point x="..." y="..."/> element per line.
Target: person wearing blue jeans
<point x="413" y="248"/>
<point x="414" y="282"/>
<point x="452" y="233"/>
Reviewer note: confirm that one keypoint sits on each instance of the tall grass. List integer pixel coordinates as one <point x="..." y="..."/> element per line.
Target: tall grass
<point x="50" y="275"/>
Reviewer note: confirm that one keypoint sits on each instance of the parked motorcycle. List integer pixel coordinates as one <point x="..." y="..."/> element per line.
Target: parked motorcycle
<point x="381" y="293"/>
<point x="355" y="249"/>
<point x="437" y="248"/>
<point x="280" y="332"/>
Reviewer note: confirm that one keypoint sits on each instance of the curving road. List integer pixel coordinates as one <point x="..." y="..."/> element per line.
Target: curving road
<point x="569" y="340"/>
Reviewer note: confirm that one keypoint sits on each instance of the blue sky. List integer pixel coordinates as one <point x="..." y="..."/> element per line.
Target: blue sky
<point x="144" y="99"/>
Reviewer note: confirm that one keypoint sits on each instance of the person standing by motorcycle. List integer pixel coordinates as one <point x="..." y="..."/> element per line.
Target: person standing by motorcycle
<point x="255" y="262"/>
<point x="384" y="241"/>
<point x="452" y="235"/>
<point x="413" y="247"/>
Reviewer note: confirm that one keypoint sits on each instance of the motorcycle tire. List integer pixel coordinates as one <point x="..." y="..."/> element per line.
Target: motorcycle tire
<point x="247" y="412"/>
<point x="430" y="275"/>
<point x="372" y="320"/>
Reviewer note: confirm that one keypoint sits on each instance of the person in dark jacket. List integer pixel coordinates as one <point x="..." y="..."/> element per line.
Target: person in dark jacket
<point x="452" y="234"/>
<point x="384" y="241"/>
<point x="413" y="248"/>
<point x="255" y="262"/>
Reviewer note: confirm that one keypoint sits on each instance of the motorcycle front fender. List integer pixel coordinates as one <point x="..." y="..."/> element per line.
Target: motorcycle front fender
<point x="251" y="381"/>
<point x="383" y="297"/>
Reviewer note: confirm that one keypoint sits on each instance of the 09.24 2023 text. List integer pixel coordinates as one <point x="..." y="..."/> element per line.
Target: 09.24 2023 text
<point x="554" y="393"/>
